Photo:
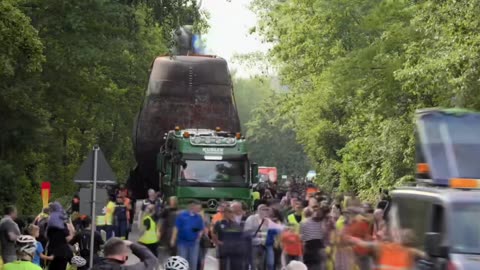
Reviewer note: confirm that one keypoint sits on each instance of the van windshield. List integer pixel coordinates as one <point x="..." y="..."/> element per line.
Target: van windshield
<point x="452" y="145"/>
<point x="465" y="230"/>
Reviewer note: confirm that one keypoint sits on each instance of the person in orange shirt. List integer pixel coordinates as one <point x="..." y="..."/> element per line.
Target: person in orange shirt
<point x="220" y="214"/>
<point x="292" y="245"/>
<point x="360" y="228"/>
<point x="393" y="253"/>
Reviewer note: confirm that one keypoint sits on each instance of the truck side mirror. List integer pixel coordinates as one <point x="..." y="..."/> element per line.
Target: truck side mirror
<point x="254" y="167"/>
<point x="433" y="246"/>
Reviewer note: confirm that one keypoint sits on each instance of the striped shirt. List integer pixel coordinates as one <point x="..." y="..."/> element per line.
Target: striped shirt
<point x="312" y="230"/>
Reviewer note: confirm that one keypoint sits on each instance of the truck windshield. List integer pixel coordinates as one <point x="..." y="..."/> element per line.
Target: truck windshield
<point x="465" y="230"/>
<point x="202" y="171"/>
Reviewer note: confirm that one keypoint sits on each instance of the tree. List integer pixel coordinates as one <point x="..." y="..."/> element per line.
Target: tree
<point x="249" y="95"/>
<point x="71" y="79"/>
<point x="358" y="70"/>
<point x="271" y="141"/>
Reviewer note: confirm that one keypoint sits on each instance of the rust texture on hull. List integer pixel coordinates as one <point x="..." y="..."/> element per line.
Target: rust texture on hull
<point x="185" y="91"/>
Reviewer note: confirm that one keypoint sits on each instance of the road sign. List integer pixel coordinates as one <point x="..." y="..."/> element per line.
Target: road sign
<point x="85" y="195"/>
<point x="105" y="173"/>
<point x="95" y="170"/>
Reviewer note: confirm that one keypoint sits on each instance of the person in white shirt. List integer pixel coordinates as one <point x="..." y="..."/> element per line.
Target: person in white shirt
<point x="257" y="226"/>
<point x="238" y="212"/>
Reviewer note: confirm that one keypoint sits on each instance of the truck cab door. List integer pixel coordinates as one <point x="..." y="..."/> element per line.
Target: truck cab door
<point x="169" y="185"/>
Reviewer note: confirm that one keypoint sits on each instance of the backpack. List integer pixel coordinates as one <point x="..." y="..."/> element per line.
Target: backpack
<point x="84" y="244"/>
<point x="42" y="225"/>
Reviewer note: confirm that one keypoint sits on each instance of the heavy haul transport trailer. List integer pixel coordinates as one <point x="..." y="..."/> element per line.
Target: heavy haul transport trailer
<point x="185" y="91"/>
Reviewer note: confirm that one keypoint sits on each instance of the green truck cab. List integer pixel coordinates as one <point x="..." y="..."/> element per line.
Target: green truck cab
<point x="206" y="165"/>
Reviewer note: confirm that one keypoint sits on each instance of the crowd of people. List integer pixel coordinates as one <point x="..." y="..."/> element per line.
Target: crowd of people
<point x="293" y="230"/>
<point x="309" y="228"/>
<point x="302" y="227"/>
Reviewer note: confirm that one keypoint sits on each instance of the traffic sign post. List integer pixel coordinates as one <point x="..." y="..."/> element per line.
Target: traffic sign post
<point x="94" y="170"/>
<point x="94" y="197"/>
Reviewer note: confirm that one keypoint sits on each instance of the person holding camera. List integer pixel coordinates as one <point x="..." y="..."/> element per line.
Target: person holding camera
<point x="186" y="235"/>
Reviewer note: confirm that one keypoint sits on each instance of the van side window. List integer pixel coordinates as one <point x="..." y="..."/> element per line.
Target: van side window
<point x="413" y="214"/>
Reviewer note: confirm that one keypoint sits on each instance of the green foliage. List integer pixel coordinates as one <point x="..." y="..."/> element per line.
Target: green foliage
<point x="249" y="95"/>
<point x="73" y="75"/>
<point x="271" y="141"/>
<point x="9" y="185"/>
<point x="21" y="48"/>
<point x="357" y="70"/>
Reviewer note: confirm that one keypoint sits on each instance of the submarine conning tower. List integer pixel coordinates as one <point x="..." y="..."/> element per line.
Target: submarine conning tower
<point x="193" y="91"/>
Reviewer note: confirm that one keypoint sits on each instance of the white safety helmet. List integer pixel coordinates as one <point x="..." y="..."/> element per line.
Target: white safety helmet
<point x="78" y="261"/>
<point x="26" y="244"/>
<point x="176" y="263"/>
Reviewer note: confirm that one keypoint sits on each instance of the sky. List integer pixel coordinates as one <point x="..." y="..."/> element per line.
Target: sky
<point x="228" y="34"/>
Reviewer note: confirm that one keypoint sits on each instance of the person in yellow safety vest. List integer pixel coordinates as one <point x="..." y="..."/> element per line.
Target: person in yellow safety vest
<point x="255" y="198"/>
<point x="342" y="254"/>
<point x="296" y="218"/>
<point x="109" y="218"/>
<point x="100" y="222"/>
<point x="256" y="195"/>
<point x="150" y="236"/>
<point x="330" y="250"/>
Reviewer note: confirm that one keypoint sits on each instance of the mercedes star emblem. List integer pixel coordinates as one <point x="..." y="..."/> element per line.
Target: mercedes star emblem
<point x="212" y="203"/>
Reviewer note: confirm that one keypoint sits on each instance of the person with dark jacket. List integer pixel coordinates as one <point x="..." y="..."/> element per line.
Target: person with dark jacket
<point x="120" y="218"/>
<point x="82" y="238"/>
<point x="116" y="255"/>
<point x="228" y="237"/>
<point x="59" y="232"/>
<point x="75" y="203"/>
<point x="384" y="204"/>
<point x="168" y="217"/>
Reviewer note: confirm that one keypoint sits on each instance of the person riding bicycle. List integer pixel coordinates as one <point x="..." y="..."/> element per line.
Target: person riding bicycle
<point x="176" y="263"/>
<point x="26" y="246"/>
